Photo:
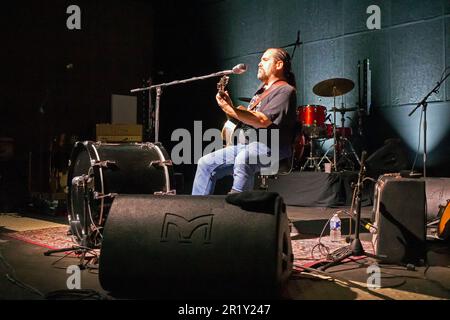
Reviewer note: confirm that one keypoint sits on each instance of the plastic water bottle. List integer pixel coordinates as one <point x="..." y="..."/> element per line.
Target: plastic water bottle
<point x="335" y="228"/>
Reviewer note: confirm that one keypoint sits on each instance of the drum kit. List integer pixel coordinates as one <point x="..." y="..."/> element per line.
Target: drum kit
<point x="312" y="119"/>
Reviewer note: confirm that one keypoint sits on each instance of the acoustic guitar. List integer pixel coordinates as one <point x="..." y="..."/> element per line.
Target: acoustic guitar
<point x="230" y="125"/>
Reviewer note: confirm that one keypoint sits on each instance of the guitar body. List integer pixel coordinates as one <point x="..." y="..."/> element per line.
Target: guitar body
<point x="230" y="125"/>
<point x="228" y="130"/>
<point x="444" y="224"/>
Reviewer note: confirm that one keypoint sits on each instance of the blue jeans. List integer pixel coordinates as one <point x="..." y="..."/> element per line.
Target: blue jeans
<point x="241" y="160"/>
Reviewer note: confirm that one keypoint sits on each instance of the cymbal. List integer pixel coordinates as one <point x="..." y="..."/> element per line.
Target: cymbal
<point x="343" y="110"/>
<point x="333" y="87"/>
<point x="244" y="99"/>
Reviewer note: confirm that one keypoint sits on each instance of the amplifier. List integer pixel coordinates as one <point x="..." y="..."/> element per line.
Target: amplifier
<point x="400" y="218"/>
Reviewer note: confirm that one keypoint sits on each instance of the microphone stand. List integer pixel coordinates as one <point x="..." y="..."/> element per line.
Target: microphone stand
<point x="159" y="90"/>
<point x="355" y="249"/>
<point x="424" y="105"/>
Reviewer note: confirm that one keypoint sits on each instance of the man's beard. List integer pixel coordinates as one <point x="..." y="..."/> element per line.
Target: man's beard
<point x="262" y="75"/>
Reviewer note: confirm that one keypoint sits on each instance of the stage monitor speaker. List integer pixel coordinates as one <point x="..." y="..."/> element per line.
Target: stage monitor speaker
<point x="195" y="247"/>
<point x="400" y="219"/>
<point x="391" y="157"/>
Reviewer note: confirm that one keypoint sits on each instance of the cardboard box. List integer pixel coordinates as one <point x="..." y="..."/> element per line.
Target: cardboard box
<point x="118" y="132"/>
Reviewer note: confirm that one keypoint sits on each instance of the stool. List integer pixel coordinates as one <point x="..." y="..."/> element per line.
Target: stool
<point x="284" y="167"/>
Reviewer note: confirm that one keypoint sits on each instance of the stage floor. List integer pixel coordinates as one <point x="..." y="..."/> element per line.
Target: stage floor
<point x="344" y="282"/>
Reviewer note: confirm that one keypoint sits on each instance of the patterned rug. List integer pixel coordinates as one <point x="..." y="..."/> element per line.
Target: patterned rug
<point x="311" y="253"/>
<point x="51" y="238"/>
<point x="307" y="252"/>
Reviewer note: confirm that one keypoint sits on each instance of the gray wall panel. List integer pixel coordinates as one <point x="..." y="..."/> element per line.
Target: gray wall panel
<point x="322" y="60"/>
<point x="447" y="54"/>
<point x="375" y="47"/>
<point x="416" y="61"/>
<point x="321" y="19"/>
<point x="413" y="10"/>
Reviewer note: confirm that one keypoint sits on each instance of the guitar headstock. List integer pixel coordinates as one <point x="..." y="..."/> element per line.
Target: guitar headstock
<point x="222" y="84"/>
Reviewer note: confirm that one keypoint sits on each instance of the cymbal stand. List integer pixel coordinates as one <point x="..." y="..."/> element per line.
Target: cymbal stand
<point x="343" y="142"/>
<point x="325" y="156"/>
<point x="311" y="161"/>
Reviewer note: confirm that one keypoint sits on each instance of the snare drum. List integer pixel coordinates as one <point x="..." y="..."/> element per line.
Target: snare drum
<point x="340" y="132"/>
<point x="98" y="171"/>
<point x="312" y="118"/>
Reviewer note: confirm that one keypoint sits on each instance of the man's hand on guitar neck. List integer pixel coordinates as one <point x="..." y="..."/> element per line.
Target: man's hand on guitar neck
<point x="253" y="118"/>
<point x="224" y="100"/>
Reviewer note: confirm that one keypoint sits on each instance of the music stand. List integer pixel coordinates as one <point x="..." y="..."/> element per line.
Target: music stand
<point x="355" y="249"/>
<point x="85" y="242"/>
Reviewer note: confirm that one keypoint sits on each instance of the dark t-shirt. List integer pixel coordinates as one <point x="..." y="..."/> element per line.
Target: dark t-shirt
<point x="280" y="107"/>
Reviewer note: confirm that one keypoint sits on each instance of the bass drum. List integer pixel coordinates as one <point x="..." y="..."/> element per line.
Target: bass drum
<point x="98" y="171"/>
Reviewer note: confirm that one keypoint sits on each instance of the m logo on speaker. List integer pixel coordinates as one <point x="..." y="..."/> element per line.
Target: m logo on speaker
<point x="184" y="228"/>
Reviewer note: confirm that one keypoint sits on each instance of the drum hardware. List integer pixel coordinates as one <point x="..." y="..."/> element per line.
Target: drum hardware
<point x="87" y="242"/>
<point x="104" y="164"/>
<point x="311" y="161"/>
<point x="98" y="195"/>
<point x="344" y="110"/>
<point x="340" y="148"/>
<point x="81" y="180"/>
<point x="343" y="141"/>
<point x="162" y="193"/>
<point x="161" y="163"/>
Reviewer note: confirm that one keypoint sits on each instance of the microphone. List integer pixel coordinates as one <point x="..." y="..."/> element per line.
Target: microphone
<point x="239" y="69"/>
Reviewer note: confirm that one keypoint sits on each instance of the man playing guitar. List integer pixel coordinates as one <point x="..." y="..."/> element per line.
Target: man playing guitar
<point x="272" y="108"/>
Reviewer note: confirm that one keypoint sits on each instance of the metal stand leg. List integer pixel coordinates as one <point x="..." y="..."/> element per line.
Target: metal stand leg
<point x="344" y="156"/>
<point x="311" y="161"/>
<point x="325" y="156"/>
